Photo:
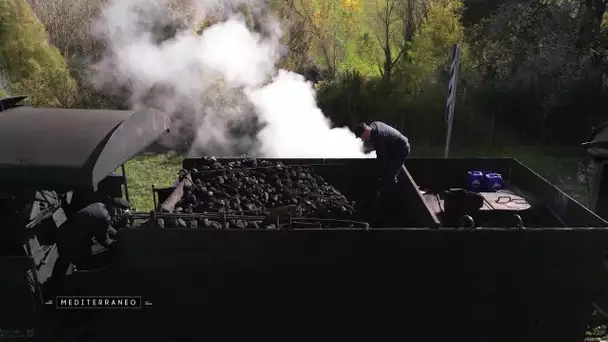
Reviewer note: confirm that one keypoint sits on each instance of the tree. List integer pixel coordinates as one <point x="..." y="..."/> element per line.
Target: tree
<point x="331" y="24"/>
<point x="529" y="57"/>
<point x="593" y="12"/>
<point x="385" y="20"/>
<point x="68" y="24"/>
<point x="394" y="24"/>
<point x="31" y="64"/>
<point x="297" y="37"/>
<point x="429" y="51"/>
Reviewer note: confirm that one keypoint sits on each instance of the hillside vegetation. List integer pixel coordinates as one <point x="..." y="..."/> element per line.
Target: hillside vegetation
<point x="531" y="72"/>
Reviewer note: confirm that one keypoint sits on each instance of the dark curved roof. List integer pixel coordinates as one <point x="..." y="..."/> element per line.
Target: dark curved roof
<point x="11" y="102"/>
<point x="597" y="143"/>
<point x="55" y="148"/>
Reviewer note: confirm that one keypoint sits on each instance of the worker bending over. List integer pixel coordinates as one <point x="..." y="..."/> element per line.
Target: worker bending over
<point x="75" y="237"/>
<point x="392" y="148"/>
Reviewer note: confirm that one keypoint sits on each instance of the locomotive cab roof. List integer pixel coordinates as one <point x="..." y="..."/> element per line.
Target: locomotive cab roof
<point x="63" y="149"/>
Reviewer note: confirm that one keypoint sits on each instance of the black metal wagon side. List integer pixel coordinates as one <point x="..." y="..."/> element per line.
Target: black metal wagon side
<point x="45" y="156"/>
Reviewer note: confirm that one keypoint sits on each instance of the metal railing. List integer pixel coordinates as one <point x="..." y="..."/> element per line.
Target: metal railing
<point x="282" y="222"/>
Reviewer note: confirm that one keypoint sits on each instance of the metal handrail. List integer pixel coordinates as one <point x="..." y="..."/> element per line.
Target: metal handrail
<point x="468" y="219"/>
<point x="224" y="217"/>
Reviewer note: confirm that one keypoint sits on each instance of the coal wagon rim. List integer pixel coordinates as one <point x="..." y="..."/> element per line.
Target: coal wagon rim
<point x="560" y="204"/>
<point x="597" y="144"/>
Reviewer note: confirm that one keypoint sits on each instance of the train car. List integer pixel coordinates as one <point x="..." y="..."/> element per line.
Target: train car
<point x="520" y="272"/>
<point x="54" y="162"/>
<point x="417" y="266"/>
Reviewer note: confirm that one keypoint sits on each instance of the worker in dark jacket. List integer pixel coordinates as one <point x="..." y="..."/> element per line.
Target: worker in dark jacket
<point x="75" y="237"/>
<point x="392" y="148"/>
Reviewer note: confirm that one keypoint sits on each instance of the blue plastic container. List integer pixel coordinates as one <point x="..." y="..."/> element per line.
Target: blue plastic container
<point x="493" y="181"/>
<point x="475" y="180"/>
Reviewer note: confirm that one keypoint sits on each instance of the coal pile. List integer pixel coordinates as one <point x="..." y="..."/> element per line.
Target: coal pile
<point x="253" y="187"/>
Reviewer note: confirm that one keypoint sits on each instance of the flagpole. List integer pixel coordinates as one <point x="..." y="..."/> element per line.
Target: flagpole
<point x="451" y="102"/>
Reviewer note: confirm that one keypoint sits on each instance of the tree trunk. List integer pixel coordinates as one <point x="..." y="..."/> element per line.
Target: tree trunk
<point x="408" y="33"/>
<point x="387" y="62"/>
<point x="492" y="128"/>
<point x="471" y="115"/>
<point x="543" y="128"/>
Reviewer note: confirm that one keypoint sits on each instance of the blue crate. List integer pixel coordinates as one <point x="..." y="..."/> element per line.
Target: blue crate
<point x="493" y="181"/>
<point x="475" y="180"/>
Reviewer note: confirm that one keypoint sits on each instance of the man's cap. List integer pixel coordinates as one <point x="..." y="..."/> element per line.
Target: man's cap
<point x="359" y="129"/>
<point x="119" y="202"/>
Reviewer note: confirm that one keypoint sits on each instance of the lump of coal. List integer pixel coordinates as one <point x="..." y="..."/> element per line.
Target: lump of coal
<point x="215" y="225"/>
<point x="238" y="224"/>
<point x="250" y="187"/>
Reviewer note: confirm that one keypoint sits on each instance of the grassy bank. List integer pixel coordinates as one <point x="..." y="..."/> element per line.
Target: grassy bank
<point x="559" y="166"/>
<point x="146" y="170"/>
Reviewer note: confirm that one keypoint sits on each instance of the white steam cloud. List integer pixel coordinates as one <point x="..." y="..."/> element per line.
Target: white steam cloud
<point x="222" y="85"/>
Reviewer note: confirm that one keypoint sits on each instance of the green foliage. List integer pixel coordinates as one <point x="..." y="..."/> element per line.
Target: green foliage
<point x="149" y="169"/>
<point x="329" y="27"/>
<point x="528" y="69"/>
<point x="535" y="68"/>
<point x="361" y="56"/>
<point x="525" y="72"/>
<point x="429" y="53"/>
<point x="31" y="64"/>
<point x="416" y="98"/>
<point x="347" y="98"/>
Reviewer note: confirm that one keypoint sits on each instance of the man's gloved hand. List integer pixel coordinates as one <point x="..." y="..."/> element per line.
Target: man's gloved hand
<point x="109" y="242"/>
<point x="111" y="231"/>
